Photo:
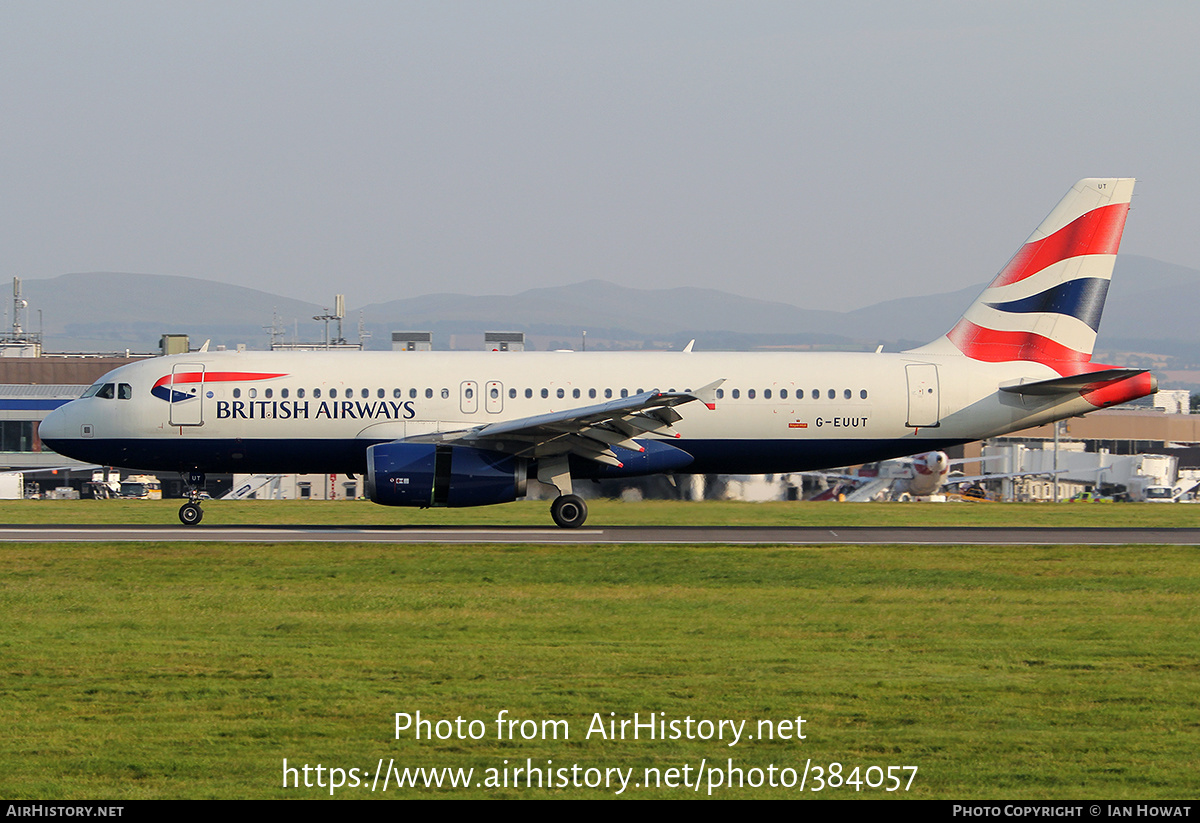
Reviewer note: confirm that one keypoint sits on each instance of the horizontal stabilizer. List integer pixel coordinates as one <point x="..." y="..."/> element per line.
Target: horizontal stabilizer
<point x="1073" y="383"/>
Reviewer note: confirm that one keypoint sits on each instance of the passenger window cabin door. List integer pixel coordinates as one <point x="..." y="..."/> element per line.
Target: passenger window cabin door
<point x="469" y="397"/>
<point x="494" y="397"/>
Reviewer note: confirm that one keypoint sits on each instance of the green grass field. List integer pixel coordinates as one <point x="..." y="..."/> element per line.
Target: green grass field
<point x="193" y="671"/>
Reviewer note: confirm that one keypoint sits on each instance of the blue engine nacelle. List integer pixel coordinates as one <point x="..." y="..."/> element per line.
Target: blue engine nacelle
<point x="425" y="474"/>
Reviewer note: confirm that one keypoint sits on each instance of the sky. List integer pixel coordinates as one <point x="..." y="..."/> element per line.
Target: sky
<point x="826" y="155"/>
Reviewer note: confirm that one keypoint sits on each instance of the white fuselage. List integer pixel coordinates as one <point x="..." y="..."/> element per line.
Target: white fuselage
<point x="319" y="411"/>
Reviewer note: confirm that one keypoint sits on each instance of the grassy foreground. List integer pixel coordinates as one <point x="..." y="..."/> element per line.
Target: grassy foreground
<point x="607" y="513"/>
<point x="169" y="671"/>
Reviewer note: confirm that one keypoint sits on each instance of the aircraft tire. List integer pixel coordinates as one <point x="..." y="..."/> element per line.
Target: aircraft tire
<point x="569" y="511"/>
<point x="190" y="514"/>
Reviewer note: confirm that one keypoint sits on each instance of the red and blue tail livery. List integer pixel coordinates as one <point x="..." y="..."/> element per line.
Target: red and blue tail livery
<point x="1045" y="305"/>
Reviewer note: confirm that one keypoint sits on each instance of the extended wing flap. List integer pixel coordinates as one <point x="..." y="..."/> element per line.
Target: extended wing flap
<point x="610" y="437"/>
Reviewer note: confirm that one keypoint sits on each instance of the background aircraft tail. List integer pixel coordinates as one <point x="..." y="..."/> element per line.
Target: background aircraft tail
<point x="1045" y="304"/>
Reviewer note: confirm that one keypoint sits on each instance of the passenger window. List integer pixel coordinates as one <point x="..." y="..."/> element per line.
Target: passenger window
<point x="267" y="394"/>
<point x="512" y="394"/>
<point x="545" y="393"/>
<point x="445" y="394"/>
<point x="429" y="394"/>
<point x="832" y="394"/>
<point x="816" y="394"/>
<point x="863" y="394"/>
<point x="575" y="394"/>
<point x="238" y="393"/>
<point x="528" y="393"/>
<point x="316" y="392"/>
<point x="468" y="392"/>
<point x="608" y="394"/>
<point x="736" y="393"/>
<point x="397" y="393"/>
<point x="783" y="394"/>
<point x="592" y="394"/>
<point x="624" y="392"/>
<point x="720" y="394"/>
<point x="560" y="393"/>
<point x="300" y="393"/>
<point x="412" y="393"/>
<point x="750" y="394"/>
<point x="283" y="393"/>
<point x="766" y="394"/>
<point x="333" y="392"/>
<point x="253" y="393"/>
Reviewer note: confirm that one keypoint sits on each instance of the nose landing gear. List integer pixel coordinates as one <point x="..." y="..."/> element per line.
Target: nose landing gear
<point x="190" y="512"/>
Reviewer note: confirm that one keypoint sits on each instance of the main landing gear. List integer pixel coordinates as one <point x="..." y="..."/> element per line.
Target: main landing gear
<point x="190" y="513"/>
<point x="568" y="509"/>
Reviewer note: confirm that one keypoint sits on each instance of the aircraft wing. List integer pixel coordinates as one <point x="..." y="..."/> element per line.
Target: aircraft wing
<point x="589" y="431"/>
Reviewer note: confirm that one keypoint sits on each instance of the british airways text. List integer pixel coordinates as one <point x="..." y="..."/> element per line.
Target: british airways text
<point x="297" y="410"/>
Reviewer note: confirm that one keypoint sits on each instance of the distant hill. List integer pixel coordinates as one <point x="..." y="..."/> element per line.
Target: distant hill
<point x="1151" y="304"/>
<point x="114" y="311"/>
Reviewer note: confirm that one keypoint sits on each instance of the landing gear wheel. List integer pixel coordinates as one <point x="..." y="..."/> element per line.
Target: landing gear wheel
<point x="569" y="511"/>
<point x="190" y="514"/>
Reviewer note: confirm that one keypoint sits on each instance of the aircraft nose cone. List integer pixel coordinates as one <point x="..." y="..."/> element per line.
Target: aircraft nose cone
<point x="54" y="426"/>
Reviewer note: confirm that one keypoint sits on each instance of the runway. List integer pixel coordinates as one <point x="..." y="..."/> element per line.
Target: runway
<point x="651" y="535"/>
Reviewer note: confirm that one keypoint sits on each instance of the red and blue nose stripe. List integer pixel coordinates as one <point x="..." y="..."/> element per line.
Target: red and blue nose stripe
<point x="166" y="388"/>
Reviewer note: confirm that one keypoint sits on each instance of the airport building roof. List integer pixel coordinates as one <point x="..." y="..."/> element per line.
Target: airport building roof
<point x="58" y="370"/>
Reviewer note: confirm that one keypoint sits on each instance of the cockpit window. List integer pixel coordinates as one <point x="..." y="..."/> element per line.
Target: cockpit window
<point x="124" y="391"/>
<point x="92" y="390"/>
<point x="107" y="391"/>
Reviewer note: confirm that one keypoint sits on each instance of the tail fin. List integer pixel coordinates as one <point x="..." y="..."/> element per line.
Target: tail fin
<point x="1045" y="305"/>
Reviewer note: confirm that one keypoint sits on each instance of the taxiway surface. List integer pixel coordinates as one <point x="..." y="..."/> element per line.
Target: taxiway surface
<point x="654" y="535"/>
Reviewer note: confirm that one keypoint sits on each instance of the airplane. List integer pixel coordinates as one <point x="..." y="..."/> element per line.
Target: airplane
<point x="471" y="428"/>
<point x="903" y="479"/>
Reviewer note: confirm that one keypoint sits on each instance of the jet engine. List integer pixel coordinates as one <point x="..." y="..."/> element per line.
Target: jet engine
<point x="929" y="473"/>
<point x="425" y="474"/>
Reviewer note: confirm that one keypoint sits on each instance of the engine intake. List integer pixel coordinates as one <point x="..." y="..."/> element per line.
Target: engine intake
<point x="425" y="474"/>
